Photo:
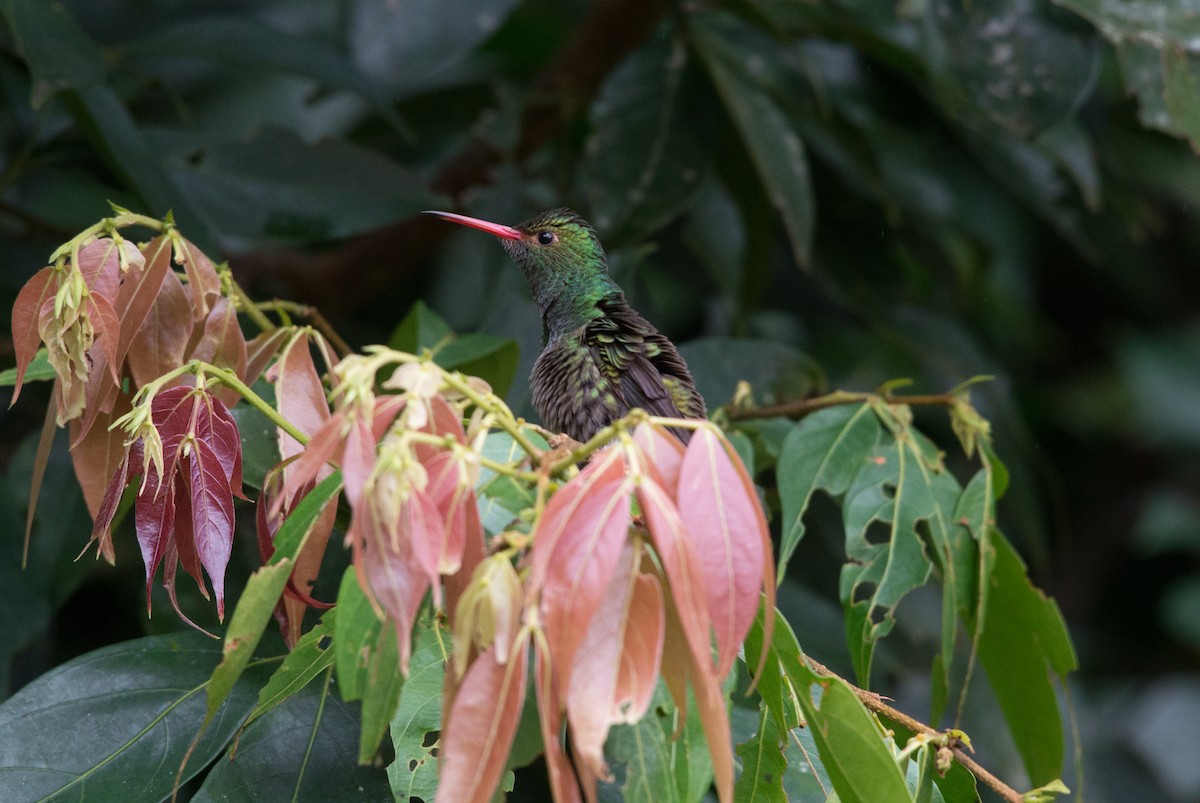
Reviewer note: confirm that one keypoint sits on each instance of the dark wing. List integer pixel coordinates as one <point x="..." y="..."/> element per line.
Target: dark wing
<point x="643" y="366"/>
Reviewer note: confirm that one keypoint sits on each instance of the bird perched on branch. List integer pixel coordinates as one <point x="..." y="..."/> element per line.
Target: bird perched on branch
<point x="601" y="358"/>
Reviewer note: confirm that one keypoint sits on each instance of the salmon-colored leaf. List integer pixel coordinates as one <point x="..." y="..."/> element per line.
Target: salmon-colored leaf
<point x="204" y="284"/>
<point x="606" y="467"/>
<point x="393" y="578"/>
<point x="324" y="447"/>
<point x="99" y="263"/>
<point x="139" y="291"/>
<point x="107" y="327"/>
<point x="358" y="459"/>
<point x="299" y="394"/>
<point x="730" y="537"/>
<point x="223" y="345"/>
<point x="478" y="735"/>
<point x="261" y="350"/>
<point x="97" y="454"/>
<point x="26" y="313"/>
<point x="616" y="666"/>
<point x="454" y="497"/>
<point x="585" y="557"/>
<point x="212" y="516"/>
<point x="663" y="452"/>
<point x="564" y="786"/>
<point x="159" y="343"/>
<point x="422" y="526"/>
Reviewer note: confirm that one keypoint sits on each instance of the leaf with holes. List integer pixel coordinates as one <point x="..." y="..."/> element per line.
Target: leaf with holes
<point x="417" y="721"/>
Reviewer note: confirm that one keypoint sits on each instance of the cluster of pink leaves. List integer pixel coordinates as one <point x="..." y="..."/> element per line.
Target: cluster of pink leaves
<point x="139" y="319"/>
<point x="619" y="600"/>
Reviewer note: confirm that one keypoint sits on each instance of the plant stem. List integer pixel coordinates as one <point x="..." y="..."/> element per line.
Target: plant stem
<point x="802" y="407"/>
<point x="875" y="703"/>
<point x="230" y="379"/>
<point x="313" y="314"/>
<point x="489" y="402"/>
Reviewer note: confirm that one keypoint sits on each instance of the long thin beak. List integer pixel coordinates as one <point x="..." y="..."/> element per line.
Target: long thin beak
<point x="504" y="232"/>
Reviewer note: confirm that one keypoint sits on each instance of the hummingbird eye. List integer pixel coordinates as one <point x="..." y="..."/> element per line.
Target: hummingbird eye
<point x="546" y="237"/>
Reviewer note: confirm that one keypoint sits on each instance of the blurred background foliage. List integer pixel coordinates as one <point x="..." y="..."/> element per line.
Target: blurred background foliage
<point x="807" y="195"/>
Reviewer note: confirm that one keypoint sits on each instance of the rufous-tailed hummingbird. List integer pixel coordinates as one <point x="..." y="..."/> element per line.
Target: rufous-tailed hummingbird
<point x="601" y="359"/>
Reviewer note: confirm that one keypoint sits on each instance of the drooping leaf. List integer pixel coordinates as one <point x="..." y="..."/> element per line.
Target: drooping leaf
<point x="763" y="763"/>
<point x="576" y="549"/>
<point x="116" y="723"/>
<point x="775" y="148"/>
<point x="312" y="655"/>
<point x="418" y="716"/>
<point x="381" y="690"/>
<point x="212" y="515"/>
<point x="161" y="340"/>
<point x="648" y="148"/>
<point x="26" y="313"/>
<point x="480" y="728"/>
<point x="1022" y="639"/>
<point x="141" y="292"/>
<point x="262" y="592"/>
<point x="721" y="512"/>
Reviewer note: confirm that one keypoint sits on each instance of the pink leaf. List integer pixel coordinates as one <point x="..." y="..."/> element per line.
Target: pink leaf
<point x="479" y="732"/>
<point x="300" y="394"/>
<point x="99" y="262"/>
<point x="663" y="452"/>
<point x="204" y="284"/>
<point x="455" y="501"/>
<point x="731" y="540"/>
<point x="393" y="577"/>
<point x="564" y="786"/>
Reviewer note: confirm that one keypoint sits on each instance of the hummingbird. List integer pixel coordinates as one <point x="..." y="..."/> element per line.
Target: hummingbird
<point x="600" y="358"/>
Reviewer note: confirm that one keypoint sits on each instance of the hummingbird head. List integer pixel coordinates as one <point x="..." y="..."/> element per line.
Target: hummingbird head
<point x="562" y="260"/>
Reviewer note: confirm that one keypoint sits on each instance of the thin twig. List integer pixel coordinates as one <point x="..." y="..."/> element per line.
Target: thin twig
<point x="875" y="703"/>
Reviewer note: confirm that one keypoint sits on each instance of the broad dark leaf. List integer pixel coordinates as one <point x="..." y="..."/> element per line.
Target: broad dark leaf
<point x="116" y="723"/>
<point x="300" y="750"/>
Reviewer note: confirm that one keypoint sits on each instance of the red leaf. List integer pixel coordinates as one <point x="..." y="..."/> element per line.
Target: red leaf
<point x="478" y="734"/>
<point x="25" y="316"/>
<point x="139" y="292"/>
<point x="358" y="459"/>
<point x="161" y="339"/>
<point x="564" y="786"/>
<point x="212" y="516"/>
<point x="261" y="350"/>
<point x="215" y="425"/>
<point x="100" y="393"/>
<point x="443" y="420"/>
<point x="184" y="543"/>
<point x="107" y="509"/>
<point x="155" y="524"/>
<point x="731" y="540"/>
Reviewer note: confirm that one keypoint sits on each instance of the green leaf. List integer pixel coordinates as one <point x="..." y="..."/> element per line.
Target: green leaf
<point x="501" y="498"/>
<point x="263" y="590"/>
<point x="276" y="187"/>
<point x="825" y="450"/>
<point x="311" y="656"/>
<point x="1022" y="635"/>
<point x="775" y="371"/>
<point x="1155" y="45"/>
<point x="847" y="736"/>
<point x="763" y="763"/>
<point x="648" y="765"/>
<point x="418" y="719"/>
<point x="491" y="358"/>
<point x="39" y="370"/>
<point x="423" y="44"/>
<point x="380" y="693"/>
<point x="649" y="143"/>
<point x="260" y="437"/>
<point x="115" y="724"/>
<point x="58" y="51"/>
<point x="355" y="632"/>
<point x="736" y="56"/>
<point x="300" y="750"/>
